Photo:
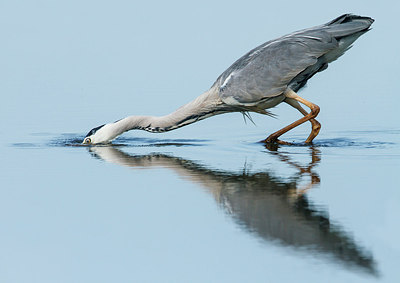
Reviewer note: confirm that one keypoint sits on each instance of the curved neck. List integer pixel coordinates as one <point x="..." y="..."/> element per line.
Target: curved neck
<point x="206" y="105"/>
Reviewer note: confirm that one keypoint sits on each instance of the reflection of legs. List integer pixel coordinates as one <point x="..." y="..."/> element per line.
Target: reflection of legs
<point x="316" y="126"/>
<point x="292" y="96"/>
<point x="303" y="170"/>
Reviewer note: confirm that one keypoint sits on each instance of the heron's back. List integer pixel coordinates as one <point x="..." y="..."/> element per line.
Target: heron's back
<point x="289" y="61"/>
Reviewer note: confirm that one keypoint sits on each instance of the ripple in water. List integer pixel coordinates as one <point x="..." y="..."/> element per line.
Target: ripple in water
<point x="344" y="142"/>
<point x="74" y="140"/>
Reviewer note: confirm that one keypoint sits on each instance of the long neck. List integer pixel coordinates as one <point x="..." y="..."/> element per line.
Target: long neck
<point x="206" y="105"/>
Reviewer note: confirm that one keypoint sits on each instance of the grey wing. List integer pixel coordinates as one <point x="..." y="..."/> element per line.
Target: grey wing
<point x="267" y="70"/>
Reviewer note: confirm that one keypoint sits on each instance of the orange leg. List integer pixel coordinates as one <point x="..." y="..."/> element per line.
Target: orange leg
<point x="315" y="125"/>
<point x="293" y="99"/>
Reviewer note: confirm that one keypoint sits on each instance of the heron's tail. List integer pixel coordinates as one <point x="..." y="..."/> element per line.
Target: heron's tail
<point x="346" y="29"/>
<point x="360" y="21"/>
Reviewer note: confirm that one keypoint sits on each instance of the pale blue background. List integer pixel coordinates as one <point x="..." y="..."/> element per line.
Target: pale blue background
<point x="66" y="67"/>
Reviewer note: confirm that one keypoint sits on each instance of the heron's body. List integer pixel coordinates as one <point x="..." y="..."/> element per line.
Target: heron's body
<point x="263" y="78"/>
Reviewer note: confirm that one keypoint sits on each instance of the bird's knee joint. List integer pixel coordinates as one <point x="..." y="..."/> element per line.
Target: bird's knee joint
<point x="314" y="110"/>
<point x="316" y="126"/>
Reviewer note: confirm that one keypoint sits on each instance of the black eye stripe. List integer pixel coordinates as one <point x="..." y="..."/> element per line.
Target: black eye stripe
<point x="94" y="130"/>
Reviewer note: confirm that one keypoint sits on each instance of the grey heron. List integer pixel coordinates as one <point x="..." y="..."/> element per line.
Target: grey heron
<point x="266" y="76"/>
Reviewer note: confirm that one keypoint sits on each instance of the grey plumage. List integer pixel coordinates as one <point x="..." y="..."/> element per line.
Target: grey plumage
<point x="263" y="78"/>
<point x="289" y="61"/>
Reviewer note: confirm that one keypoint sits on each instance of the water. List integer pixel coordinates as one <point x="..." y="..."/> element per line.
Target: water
<point x="207" y="202"/>
<point x="197" y="210"/>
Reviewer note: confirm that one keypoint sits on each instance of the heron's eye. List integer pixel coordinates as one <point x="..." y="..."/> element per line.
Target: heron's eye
<point x="88" y="140"/>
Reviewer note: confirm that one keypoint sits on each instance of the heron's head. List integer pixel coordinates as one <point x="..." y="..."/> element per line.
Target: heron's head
<point x="100" y="134"/>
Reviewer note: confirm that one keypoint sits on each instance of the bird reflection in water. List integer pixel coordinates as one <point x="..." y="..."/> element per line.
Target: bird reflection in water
<point x="265" y="205"/>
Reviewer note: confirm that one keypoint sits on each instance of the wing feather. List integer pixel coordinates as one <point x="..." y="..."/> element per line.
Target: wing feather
<point x="267" y="70"/>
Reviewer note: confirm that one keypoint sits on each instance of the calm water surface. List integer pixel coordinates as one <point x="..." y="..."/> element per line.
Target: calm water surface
<point x="195" y="210"/>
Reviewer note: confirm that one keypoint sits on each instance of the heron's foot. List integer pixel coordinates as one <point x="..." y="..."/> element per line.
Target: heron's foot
<point x="272" y="140"/>
<point x="283" y="142"/>
<point x="274" y="145"/>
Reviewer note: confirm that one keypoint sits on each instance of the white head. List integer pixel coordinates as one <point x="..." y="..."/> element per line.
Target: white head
<point x="102" y="134"/>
